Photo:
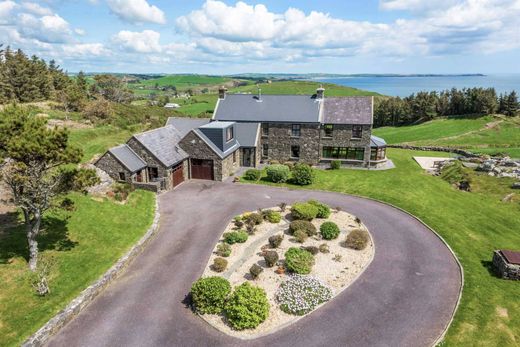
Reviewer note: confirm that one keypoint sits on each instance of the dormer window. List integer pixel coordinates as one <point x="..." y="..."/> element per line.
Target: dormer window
<point x="229" y="134"/>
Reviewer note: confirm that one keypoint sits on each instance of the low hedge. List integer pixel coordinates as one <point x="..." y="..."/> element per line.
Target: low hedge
<point x="335" y="165"/>
<point x="278" y="173"/>
<point x="252" y="175"/>
<point x="247" y="307"/>
<point x="302" y="174"/>
<point x="299" y="261"/>
<point x="209" y="294"/>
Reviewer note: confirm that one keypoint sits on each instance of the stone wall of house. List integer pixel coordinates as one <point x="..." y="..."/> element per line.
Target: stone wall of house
<point x="280" y="141"/>
<point x="198" y="149"/>
<point x="150" y="160"/>
<point x="504" y="269"/>
<point x="113" y="167"/>
<point x="342" y="137"/>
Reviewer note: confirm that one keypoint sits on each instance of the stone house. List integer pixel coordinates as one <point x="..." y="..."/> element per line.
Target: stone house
<point x="245" y="131"/>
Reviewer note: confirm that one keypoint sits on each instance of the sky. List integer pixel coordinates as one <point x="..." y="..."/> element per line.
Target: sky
<point x="268" y="36"/>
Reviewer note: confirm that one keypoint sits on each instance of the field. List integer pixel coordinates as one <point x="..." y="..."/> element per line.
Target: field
<point x="84" y="244"/>
<point x="98" y="140"/>
<point x="489" y="134"/>
<point x="473" y="224"/>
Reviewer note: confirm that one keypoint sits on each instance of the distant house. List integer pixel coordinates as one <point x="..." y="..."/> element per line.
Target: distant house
<point x="172" y="105"/>
<point x="245" y="131"/>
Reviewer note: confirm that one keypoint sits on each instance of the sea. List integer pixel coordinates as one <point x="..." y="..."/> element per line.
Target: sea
<point x="405" y="85"/>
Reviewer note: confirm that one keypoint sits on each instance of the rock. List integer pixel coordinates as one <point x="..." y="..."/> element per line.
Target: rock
<point x="516" y="185"/>
<point x="508" y="197"/>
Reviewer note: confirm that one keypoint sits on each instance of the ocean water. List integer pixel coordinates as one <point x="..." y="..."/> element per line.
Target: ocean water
<point x="404" y="86"/>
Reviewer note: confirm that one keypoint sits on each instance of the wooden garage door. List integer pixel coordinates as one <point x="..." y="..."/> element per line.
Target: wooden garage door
<point x="177" y="175"/>
<point x="202" y="169"/>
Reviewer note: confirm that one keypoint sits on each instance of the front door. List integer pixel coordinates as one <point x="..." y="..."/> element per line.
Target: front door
<point x="248" y="157"/>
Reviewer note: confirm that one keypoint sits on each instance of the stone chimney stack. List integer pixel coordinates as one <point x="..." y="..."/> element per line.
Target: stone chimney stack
<point x="320" y="93"/>
<point x="222" y="92"/>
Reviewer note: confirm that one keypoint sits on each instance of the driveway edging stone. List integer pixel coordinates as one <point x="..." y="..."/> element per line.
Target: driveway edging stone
<point x="54" y="325"/>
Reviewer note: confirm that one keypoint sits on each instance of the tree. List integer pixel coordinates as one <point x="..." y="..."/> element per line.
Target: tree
<point x="33" y="157"/>
<point x="81" y="82"/>
<point x="73" y="98"/>
<point x="112" y="88"/>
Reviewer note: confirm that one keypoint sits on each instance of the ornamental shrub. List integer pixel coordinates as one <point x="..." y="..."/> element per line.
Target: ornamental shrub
<point x="323" y="209"/>
<point x="252" y="175"/>
<point x="298" y="261"/>
<point x="209" y="294"/>
<point x="357" y="239"/>
<point x="255" y="270"/>
<point x="304" y="210"/>
<point x="301" y="294"/>
<point x="335" y="165"/>
<point x="278" y="173"/>
<point x="273" y="216"/>
<point x="219" y="265"/>
<point x="247" y="307"/>
<point x="238" y="221"/>
<point x="312" y="249"/>
<point x="223" y="250"/>
<point x="235" y="237"/>
<point x="324" y="248"/>
<point x="275" y="241"/>
<point x="254" y="218"/>
<point x="329" y="230"/>
<point x="300" y="236"/>
<point x="304" y="225"/>
<point x="271" y="257"/>
<point x="302" y="174"/>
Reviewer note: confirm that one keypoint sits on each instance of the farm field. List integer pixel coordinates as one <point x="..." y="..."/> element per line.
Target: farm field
<point x="473" y="224"/>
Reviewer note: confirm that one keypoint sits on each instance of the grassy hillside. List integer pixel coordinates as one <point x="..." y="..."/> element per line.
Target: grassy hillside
<point x="301" y="87"/>
<point x="489" y="134"/>
<point x="184" y="81"/>
<point x="473" y="224"/>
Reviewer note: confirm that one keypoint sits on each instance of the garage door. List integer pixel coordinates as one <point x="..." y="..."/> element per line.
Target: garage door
<point x="202" y="169"/>
<point x="177" y="175"/>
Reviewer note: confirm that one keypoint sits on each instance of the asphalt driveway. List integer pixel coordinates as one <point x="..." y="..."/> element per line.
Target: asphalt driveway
<point x="405" y="298"/>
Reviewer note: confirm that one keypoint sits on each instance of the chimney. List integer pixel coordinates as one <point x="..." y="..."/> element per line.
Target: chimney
<point x="320" y="93"/>
<point x="259" y="95"/>
<point x="222" y="92"/>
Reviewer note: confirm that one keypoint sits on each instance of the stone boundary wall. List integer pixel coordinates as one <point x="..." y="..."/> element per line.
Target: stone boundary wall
<point x="437" y="149"/>
<point x="90" y="293"/>
<point x="504" y="269"/>
<point x="152" y="187"/>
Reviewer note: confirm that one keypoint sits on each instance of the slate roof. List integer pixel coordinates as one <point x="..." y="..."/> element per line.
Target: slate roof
<point x="128" y="158"/>
<point x="163" y="144"/>
<point x="348" y="110"/>
<point x="271" y="108"/>
<point x="215" y="148"/>
<point x="184" y="125"/>
<point x="247" y="133"/>
<point x="377" y="141"/>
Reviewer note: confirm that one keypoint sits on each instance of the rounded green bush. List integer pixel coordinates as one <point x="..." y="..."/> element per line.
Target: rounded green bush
<point x="335" y="165"/>
<point x="323" y="209"/>
<point x="278" y="173"/>
<point x="247" y="307"/>
<point x="223" y="250"/>
<point x="302" y="174"/>
<point x="299" y="261"/>
<point x="300" y="236"/>
<point x="235" y="237"/>
<point x="303" y="225"/>
<point x="209" y="294"/>
<point x="252" y="175"/>
<point x="329" y="230"/>
<point x="254" y="218"/>
<point x="275" y="240"/>
<point x="304" y="211"/>
<point x="273" y="216"/>
<point x="219" y="264"/>
<point x="357" y="239"/>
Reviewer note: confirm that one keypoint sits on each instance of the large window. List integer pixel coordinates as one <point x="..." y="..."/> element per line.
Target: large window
<point x="295" y="151"/>
<point x="296" y="130"/>
<point x="357" y="131"/>
<point x="329" y="128"/>
<point x="378" y="153"/>
<point x="265" y="129"/>
<point x="265" y="150"/>
<point x="343" y="153"/>
<point x="229" y="134"/>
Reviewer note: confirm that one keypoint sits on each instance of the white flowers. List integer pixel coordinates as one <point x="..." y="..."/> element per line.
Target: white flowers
<point x="300" y="295"/>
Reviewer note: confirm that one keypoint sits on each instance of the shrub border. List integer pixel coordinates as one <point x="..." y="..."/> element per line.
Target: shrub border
<point x="55" y="324"/>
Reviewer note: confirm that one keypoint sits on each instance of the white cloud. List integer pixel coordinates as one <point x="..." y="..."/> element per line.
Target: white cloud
<point x="6" y="8"/>
<point x="50" y="29"/>
<point x="36" y="9"/>
<point x="146" y="41"/>
<point x="137" y="11"/>
<point x="85" y="49"/>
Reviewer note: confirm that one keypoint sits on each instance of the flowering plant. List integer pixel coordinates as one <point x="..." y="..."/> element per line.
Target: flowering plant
<point x="300" y="295"/>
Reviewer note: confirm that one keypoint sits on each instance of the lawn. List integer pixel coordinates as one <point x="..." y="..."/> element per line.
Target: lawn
<point x="482" y="135"/>
<point x="473" y="224"/>
<point x="84" y="243"/>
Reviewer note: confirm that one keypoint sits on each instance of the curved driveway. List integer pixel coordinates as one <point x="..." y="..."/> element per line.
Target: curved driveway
<point x="405" y="298"/>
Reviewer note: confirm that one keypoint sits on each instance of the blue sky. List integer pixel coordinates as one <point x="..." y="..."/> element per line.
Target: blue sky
<point x="225" y="37"/>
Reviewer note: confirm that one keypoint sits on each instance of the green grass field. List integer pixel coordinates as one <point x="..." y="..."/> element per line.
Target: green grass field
<point x="487" y="134"/>
<point x="301" y="87"/>
<point x="473" y="224"/>
<point x="184" y="81"/>
<point x="98" y="140"/>
<point x="84" y="243"/>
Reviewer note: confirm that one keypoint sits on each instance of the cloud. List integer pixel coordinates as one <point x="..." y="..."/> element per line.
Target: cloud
<point x="146" y="41"/>
<point x="85" y="50"/>
<point x="50" y="29"/>
<point x="6" y="8"/>
<point x="136" y="11"/>
<point x="36" y="9"/>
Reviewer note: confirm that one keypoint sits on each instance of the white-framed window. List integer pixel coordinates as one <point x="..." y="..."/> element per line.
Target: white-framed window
<point x="296" y="130"/>
<point x="229" y="134"/>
